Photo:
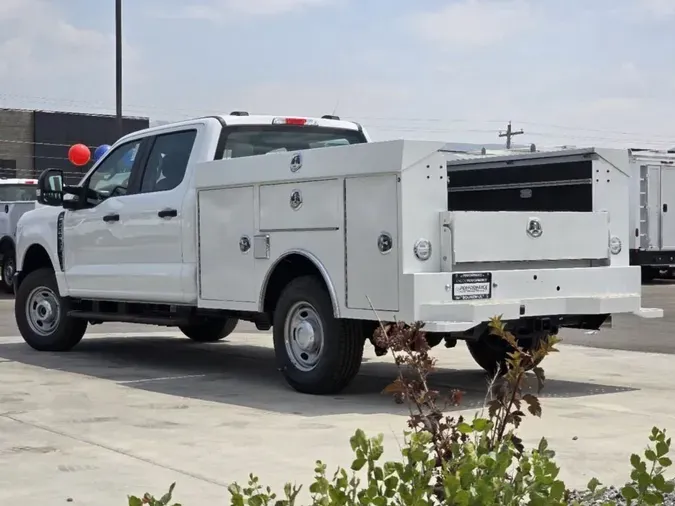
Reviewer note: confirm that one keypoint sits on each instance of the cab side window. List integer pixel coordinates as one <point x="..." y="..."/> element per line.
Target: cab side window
<point x="168" y="161"/>
<point x="111" y="177"/>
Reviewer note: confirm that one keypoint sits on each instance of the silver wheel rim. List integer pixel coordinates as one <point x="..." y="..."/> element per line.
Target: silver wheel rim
<point x="8" y="272"/>
<point x="43" y="310"/>
<point x="303" y="336"/>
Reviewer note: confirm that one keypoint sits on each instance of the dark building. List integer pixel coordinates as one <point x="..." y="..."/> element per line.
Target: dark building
<point x="32" y="141"/>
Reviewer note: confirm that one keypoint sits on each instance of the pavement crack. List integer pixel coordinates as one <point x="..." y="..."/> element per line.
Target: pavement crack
<point x="116" y="450"/>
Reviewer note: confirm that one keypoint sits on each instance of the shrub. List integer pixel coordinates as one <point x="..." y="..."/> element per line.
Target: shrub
<point x="457" y="462"/>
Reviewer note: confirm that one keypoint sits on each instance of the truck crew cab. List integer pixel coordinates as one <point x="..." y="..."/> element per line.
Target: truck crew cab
<point x="304" y="226"/>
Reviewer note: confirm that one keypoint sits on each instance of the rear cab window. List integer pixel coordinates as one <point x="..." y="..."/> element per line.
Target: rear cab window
<point x="251" y="140"/>
<point x="18" y="192"/>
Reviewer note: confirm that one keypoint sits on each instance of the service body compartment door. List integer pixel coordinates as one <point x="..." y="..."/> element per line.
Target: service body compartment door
<point x="372" y="242"/>
<point x="523" y="236"/>
<point x="667" y="208"/>
<point x="226" y="228"/>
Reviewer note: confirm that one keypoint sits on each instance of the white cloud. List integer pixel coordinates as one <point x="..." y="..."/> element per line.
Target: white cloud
<point x="474" y="22"/>
<point x="660" y="8"/>
<point x="224" y="10"/>
<point x="44" y="57"/>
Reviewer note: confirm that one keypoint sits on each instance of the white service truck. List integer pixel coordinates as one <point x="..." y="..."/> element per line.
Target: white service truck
<point x="565" y="179"/>
<point x="17" y="196"/>
<point x="304" y="226"/>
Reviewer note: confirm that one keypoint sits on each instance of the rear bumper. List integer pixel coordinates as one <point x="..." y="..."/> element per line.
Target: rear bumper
<point x="653" y="258"/>
<point x="528" y="293"/>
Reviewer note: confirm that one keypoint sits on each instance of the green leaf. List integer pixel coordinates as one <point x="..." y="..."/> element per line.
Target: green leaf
<point x="358" y="464"/>
<point x="661" y="448"/>
<point x="480" y="424"/>
<point x="665" y="462"/>
<point x="593" y="484"/>
<point x="135" y="501"/>
<point x="465" y="428"/>
<point x="629" y="493"/>
<point x="557" y="490"/>
<point x="652" y="498"/>
<point x="650" y="455"/>
<point x="635" y="461"/>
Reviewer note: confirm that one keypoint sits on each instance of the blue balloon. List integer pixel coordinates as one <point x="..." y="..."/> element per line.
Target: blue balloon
<point x="129" y="157"/>
<point x="100" y="151"/>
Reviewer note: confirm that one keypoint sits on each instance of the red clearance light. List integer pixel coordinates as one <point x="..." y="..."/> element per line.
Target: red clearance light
<point x="31" y="181"/>
<point x="296" y="121"/>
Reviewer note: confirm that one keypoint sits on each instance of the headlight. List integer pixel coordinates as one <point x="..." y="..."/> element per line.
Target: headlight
<point x="422" y="249"/>
<point x="615" y="245"/>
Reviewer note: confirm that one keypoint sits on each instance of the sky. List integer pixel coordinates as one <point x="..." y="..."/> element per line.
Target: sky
<point x="574" y="72"/>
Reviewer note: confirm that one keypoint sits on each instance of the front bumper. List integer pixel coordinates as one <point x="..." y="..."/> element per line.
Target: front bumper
<point x="525" y="293"/>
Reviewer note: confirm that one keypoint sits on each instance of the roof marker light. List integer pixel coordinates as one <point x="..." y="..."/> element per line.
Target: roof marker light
<point x="293" y="121"/>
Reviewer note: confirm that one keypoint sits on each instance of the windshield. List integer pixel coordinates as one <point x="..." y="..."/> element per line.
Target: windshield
<point x="17" y="192"/>
<point x="252" y="140"/>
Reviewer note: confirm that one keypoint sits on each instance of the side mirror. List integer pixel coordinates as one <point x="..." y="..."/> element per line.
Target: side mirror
<point x="50" y="188"/>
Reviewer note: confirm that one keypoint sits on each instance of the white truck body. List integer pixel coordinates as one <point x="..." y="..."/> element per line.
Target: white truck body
<point x="17" y="196"/>
<point x="312" y="242"/>
<point x="651" y="203"/>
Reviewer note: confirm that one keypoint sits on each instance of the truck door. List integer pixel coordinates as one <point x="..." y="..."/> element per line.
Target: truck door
<point x="94" y="259"/>
<point x="152" y="222"/>
<point x="667" y="208"/>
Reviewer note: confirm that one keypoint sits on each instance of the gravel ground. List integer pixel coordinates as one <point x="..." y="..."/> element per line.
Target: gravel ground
<point x="612" y="494"/>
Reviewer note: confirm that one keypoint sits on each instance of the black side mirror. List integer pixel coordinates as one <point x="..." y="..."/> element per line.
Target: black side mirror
<point x="50" y="188"/>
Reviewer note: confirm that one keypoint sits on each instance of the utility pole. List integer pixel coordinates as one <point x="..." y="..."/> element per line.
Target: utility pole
<point x="510" y="133"/>
<point x="118" y="66"/>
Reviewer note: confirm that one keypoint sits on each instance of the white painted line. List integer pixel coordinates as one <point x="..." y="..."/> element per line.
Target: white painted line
<point x="165" y="378"/>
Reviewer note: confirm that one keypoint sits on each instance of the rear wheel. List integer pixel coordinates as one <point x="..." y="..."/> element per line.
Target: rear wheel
<point x="490" y="351"/>
<point x="42" y="314"/>
<point x="649" y="274"/>
<point x="210" y="331"/>
<point x="8" y="267"/>
<point x="316" y="352"/>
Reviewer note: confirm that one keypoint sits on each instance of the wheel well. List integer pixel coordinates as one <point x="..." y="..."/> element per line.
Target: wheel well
<point x="6" y="244"/>
<point x="286" y="270"/>
<point x="35" y="258"/>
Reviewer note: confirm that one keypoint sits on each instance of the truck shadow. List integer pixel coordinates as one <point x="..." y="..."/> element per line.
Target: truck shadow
<point x="247" y="376"/>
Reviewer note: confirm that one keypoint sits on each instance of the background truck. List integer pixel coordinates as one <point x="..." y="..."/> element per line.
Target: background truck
<point x="17" y="196"/>
<point x="565" y="179"/>
<point x="303" y="226"/>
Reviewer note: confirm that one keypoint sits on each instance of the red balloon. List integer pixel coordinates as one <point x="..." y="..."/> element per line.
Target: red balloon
<point x="79" y="154"/>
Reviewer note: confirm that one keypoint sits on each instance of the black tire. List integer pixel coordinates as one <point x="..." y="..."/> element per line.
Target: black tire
<point x="341" y="352"/>
<point x="66" y="332"/>
<point x="8" y="266"/>
<point x="210" y="331"/>
<point x="490" y="351"/>
<point x="649" y="274"/>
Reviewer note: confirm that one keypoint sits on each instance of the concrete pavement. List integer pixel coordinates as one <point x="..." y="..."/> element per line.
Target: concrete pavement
<point x="132" y="412"/>
<point x="121" y="415"/>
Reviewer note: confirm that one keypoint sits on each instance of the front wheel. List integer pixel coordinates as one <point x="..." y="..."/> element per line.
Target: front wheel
<point x="42" y="314"/>
<point x="210" y="331"/>
<point x="490" y="352"/>
<point x="8" y="267"/>
<point x="316" y="352"/>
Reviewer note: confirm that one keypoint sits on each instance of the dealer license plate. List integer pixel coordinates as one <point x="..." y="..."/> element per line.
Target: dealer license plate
<point x="471" y="285"/>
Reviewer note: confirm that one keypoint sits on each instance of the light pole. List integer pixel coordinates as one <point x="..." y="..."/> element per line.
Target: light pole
<point x="118" y="66"/>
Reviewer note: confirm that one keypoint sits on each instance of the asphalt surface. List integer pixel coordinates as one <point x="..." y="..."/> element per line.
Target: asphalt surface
<point x="628" y="332"/>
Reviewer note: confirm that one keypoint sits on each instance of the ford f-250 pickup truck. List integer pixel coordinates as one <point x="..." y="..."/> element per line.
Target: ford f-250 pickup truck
<point x="304" y="226"/>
